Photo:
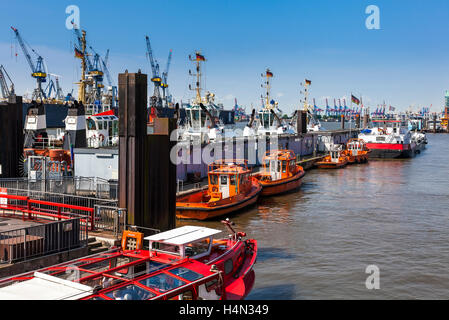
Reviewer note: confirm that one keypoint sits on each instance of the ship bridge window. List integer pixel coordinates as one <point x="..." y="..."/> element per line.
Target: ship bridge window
<point x="105" y="125"/>
<point x="91" y="124"/>
<point x="162" y="282"/>
<point x="130" y="292"/>
<point x="284" y="166"/>
<point x="213" y="179"/>
<point x="232" y="180"/>
<point x="100" y="125"/>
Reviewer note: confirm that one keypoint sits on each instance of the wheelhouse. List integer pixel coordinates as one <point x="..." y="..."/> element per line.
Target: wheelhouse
<point x="228" y="178"/>
<point x="356" y="146"/>
<point x="279" y="164"/>
<point x="102" y="129"/>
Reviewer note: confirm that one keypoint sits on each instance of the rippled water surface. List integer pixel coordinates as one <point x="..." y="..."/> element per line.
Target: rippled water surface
<point x="316" y="243"/>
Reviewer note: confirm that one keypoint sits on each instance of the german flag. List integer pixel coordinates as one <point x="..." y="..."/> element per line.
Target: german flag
<point x="308" y="82"/>
<point x="269" y="74"/>
<point x="78" y="53"/>
<point x="200" y="57"/>
<point x="355" y="100"/>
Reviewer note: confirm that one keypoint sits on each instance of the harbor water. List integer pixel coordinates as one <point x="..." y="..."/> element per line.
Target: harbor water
<point x="316" y="243"/>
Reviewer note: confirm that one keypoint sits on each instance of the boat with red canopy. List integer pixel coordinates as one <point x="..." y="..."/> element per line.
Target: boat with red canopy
<point x="231" y="188"/>
<point x="280" y="173"/>
<point x="186" y="263"/>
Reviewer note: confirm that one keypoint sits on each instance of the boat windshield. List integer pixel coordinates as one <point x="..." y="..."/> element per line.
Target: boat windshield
<point x="267" y="120"/>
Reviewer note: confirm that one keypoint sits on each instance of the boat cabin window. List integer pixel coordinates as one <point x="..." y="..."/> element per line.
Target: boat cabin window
<point x="186" y="274"/>
<point x="197" y="248"/>
<point x="284" y="166"/>
<point x="91" y="124"/>
<point x="162" y="282"/>
<point x="223" y="179"/>
<point x="100" y="125"/>
<point x="105" y="125"/>
<point x="228" y="266"/>
<point x="213" y="179"/>
<point x="165" y="247"/>
<point x="232" y="180"/>
<point x="130" y="292"/>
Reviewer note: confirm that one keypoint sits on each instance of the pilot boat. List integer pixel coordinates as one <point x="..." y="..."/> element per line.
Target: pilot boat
<point x="231" y="188"/>
<point x="336" y="159"/>
<point x="280" y="173"/>
<point x="186" y="263"/>
<point x="356" y="151"/>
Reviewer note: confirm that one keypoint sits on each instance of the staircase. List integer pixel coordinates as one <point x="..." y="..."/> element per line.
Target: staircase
<point x="95" y="246"/>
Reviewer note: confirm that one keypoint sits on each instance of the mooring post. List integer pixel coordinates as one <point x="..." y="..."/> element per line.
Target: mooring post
<point x="132" y="137"/>
<point x="342" y="122"/>
<point x="160" y="182"/>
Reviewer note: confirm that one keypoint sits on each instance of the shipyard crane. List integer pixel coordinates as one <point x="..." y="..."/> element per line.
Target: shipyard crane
<point x="165" y="95"/>
<point x="156" y="79"/>
<point x="54" y="85"/>
<point x="7" y="91"/>
<point x="38" y="69"/>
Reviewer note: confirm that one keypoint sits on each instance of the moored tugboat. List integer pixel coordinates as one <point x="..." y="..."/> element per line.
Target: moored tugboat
<point x="357" y="151"/>
<point x="335" y="160"/>
<point x="280" y="173"/>
<point x="186" y="263"/>
<point x="231" y="188"/>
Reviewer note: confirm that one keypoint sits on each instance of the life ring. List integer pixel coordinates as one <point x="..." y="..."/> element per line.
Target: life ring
<point x="214" y="189"/>
<point x="101" y="137"/>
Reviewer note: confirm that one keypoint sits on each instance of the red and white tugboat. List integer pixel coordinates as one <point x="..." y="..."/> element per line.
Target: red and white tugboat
<point x="389" y="139"/>
<point x="181" y="264"/>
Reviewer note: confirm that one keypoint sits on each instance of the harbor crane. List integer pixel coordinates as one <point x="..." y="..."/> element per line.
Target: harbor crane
<point x="165" y="95"/>
<point x="38" y="69"/>
<point x="54" y="85"/>
<point x="156" y="100"/>
<point x="7" y="91"/>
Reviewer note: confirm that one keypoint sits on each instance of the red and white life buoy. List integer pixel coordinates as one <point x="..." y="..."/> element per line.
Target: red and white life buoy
<point x="101" y="137"/>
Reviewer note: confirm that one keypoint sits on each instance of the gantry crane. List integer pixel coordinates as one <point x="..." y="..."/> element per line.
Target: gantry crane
<point x="7" y="91"/>
<point x="38" y="69"/>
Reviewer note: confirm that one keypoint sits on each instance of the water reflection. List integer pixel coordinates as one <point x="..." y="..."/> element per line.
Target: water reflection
<point x="317" y="242"/>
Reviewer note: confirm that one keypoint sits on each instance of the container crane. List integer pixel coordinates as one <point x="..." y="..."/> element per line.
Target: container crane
<point x="7" y="91"/>
<point x="38" y="69"/>
<point x="156" y="100"/>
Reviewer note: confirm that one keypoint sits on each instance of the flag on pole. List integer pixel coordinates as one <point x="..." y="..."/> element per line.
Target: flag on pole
<point x="269" y="73"/>
<point x="200" y="57"/>
<point x="308" y="82"/>
<point x="355" y="100"/>
<point x="78" y="53"/>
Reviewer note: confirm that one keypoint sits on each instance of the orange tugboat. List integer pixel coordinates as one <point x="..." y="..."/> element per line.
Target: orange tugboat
<point x="357" y="151"/>
<point x="231" y="187"/>
<point x="336" y="159"/>
<point x="280" y="173"/>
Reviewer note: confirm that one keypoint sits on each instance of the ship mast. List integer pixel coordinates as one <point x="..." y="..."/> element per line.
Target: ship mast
<point x="82" y="84"/>
<point x="198" y="58"/>
<point x="268" y="75"/>
<point x="306" y="106"/>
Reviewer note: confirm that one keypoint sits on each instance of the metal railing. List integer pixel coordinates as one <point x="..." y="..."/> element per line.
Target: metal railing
<point x="82" y="186"/>
<point x="31" y="242"/>
<point x="110" y="219"/>
<point x="62" y="198"/>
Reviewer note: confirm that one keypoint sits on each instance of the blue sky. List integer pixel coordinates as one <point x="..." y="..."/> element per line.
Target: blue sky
<point x="405" y="63"/>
